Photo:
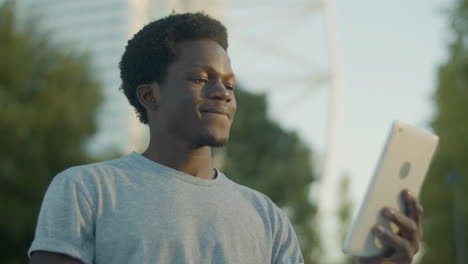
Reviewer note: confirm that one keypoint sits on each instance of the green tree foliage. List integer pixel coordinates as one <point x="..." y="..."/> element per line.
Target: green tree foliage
<point x="345" y="208"/>
<point x="263" y="156"/>
<point x="48" y="98"/>
<point x="451" y="124"/>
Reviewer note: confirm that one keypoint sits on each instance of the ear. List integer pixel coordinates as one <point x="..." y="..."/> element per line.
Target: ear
<point x="148" y="95"/>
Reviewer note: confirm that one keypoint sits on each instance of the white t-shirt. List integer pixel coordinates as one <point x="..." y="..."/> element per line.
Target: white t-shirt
<point x="134" y="210"/>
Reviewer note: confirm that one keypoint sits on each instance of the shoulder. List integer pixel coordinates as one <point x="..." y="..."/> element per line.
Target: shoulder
<point x="93" y="171"/>
<point x="259" y="200"/>
<point x="94" y="179"/>
<point x="248" y="192"/>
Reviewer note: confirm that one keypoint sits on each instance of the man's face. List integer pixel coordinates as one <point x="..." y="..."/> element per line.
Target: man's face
<point x="197" y="101"/>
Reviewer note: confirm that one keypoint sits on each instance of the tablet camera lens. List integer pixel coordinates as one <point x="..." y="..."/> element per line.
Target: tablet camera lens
<point x="405" y="170"/>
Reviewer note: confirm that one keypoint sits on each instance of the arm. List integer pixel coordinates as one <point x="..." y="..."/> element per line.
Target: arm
<point x="286" y="247"/>
<point x="66" y="223"/>
<point x="45" y="257"/>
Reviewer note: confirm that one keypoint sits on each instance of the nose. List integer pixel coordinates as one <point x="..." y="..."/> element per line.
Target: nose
<point x="218" y="91"/>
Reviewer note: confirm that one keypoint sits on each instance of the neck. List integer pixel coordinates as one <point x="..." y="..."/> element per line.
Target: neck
<point x="182" y="156"/>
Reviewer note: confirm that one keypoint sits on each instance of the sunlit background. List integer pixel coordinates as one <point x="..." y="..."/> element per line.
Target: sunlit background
<point x="380" y="58"/>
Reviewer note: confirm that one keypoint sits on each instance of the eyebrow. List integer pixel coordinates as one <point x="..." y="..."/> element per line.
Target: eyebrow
<point x="211" y="69"/>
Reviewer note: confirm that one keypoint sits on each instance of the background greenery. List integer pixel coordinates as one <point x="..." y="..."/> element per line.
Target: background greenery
<point x="48" y="100"/>
<point x="263" y="156"/>
<point x="451" y="124"/>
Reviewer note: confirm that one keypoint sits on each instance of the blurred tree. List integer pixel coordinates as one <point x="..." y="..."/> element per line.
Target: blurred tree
<point x="264" y="157"/>
<point x="345" y="208"/>
<point x="451" y="124"/>
<point x="48" y="98"/>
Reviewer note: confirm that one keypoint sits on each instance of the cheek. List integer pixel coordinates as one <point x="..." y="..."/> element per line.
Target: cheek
<point x="234" y="103"/>
<point x="182" y="98"/>
<point x="234" y="106"/>
<point x="185" y="108"/>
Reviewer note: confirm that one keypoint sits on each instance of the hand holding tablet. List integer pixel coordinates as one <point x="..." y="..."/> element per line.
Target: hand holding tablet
<point x="404" y="244"/>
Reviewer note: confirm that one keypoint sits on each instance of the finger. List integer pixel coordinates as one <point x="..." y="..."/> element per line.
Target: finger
<point x="408" y="228"/>
<point x="412" y="206"/>
<point x="373" y="260"/>
<point x="399" y="259"/>
<point x="414" y="209"/>
<point x="402" y="247"/>
<point x="368" y="260"/>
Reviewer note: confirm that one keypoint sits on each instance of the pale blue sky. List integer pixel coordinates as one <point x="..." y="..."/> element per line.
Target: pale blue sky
<point x="390" y="54"/>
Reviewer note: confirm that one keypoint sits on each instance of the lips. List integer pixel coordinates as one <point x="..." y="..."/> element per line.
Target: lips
<point x="214" y="112"/>
<point x="220" y="111"/>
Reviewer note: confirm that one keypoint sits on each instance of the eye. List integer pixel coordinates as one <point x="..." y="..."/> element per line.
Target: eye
<point x="200" y="81"/>
<point x="229" y="86"/>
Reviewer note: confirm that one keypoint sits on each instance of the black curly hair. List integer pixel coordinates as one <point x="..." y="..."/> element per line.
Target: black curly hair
<point x="153" y="48"/>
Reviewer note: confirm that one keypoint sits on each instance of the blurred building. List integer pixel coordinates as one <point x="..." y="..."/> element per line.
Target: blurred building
<point x="102" y="28"/>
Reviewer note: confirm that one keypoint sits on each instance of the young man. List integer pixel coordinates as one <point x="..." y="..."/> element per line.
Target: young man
<point x="169" y="205"/>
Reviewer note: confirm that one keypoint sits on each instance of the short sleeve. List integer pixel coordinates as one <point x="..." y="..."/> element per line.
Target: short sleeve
<point x="66" y="221"/>
<point x="286" y="249"/>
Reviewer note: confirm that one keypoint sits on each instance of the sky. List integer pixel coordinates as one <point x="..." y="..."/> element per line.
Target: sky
<point x="390" y="53"/>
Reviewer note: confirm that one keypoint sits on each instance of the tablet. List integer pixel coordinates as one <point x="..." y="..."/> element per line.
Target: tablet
<point x="403" y="165"/>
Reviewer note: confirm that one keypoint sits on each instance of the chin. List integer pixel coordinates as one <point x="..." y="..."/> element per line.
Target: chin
<point x="212" y="140"/>
<point x="218" y="143"/>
